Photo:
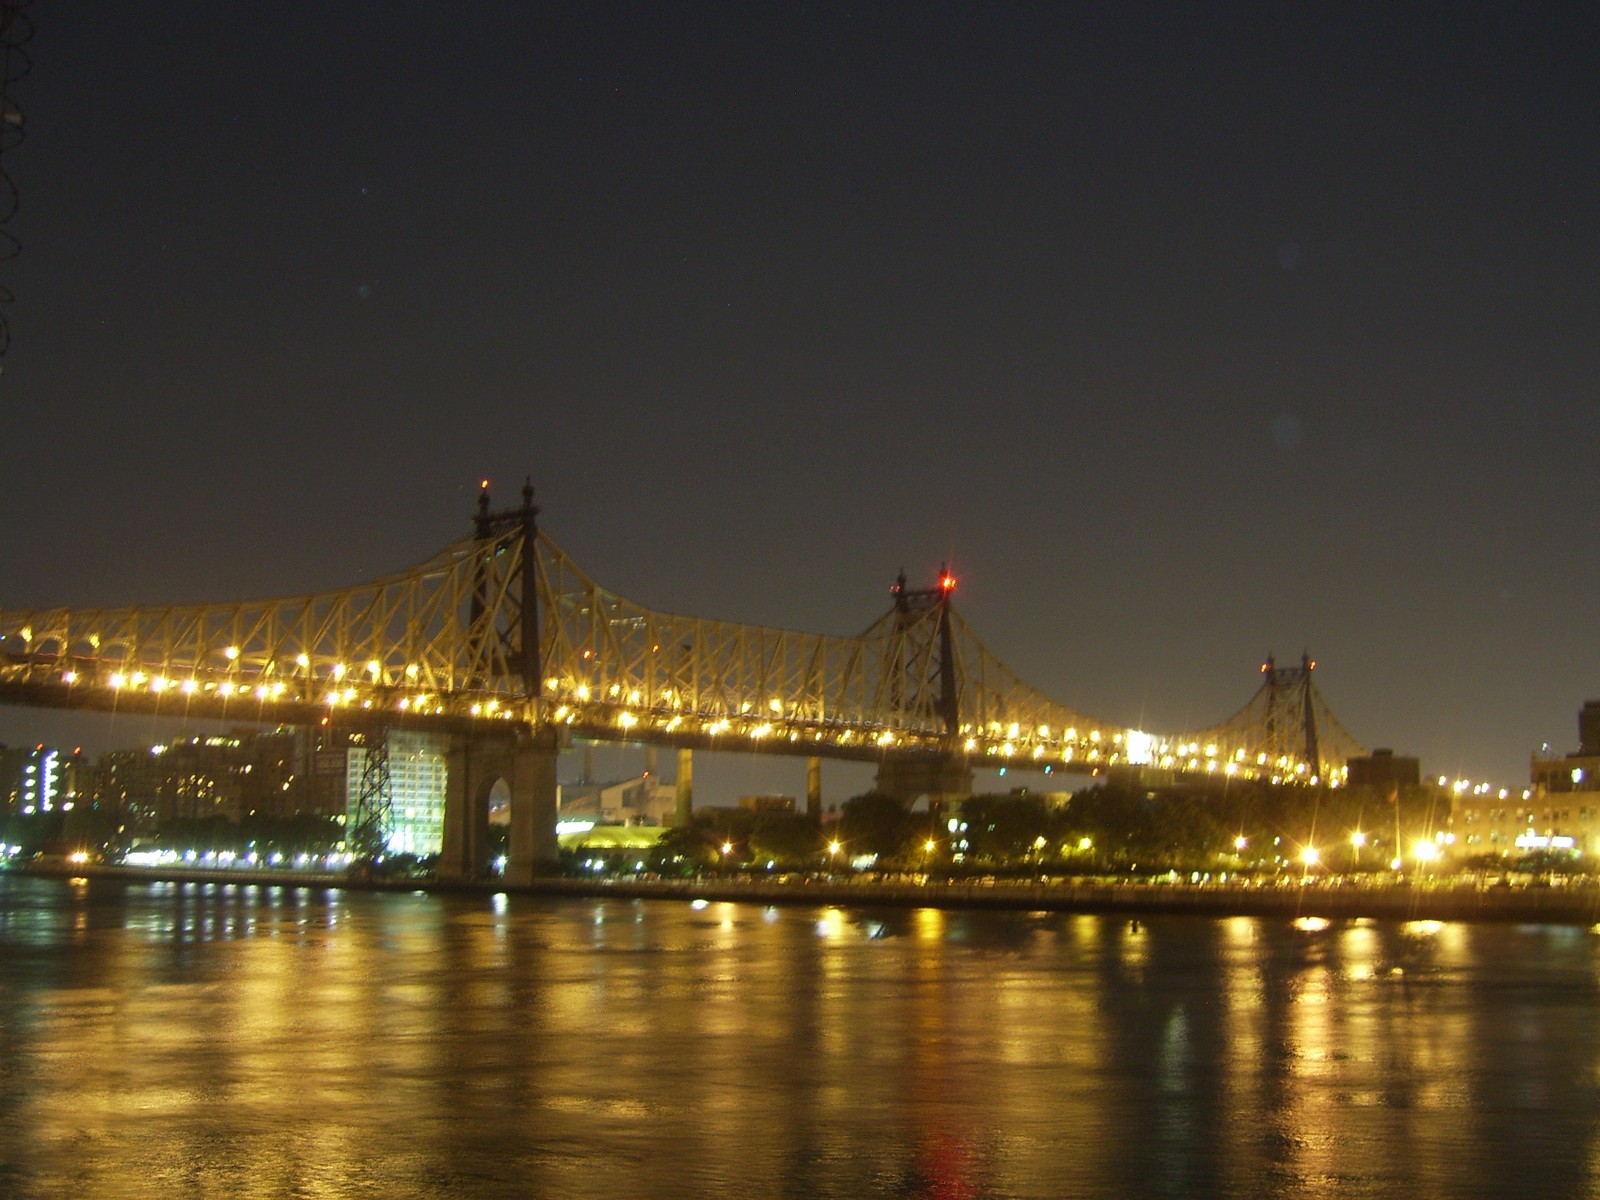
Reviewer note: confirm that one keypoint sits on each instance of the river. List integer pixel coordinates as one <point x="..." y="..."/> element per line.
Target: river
<point x="211" y="1040"/>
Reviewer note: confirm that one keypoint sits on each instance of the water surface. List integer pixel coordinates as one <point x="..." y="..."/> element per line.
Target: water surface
<point x="218" y="1040"/>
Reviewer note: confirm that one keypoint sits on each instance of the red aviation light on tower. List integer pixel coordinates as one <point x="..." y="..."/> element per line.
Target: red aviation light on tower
<point x="947" y="582"/>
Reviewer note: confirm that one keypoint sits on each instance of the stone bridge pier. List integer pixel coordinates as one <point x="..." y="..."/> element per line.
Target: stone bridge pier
<point x="525" y="761"/>
<point x="946" y="777"/>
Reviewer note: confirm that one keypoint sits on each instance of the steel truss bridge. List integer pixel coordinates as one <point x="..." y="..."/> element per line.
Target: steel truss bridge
<point x="502" y="630"/>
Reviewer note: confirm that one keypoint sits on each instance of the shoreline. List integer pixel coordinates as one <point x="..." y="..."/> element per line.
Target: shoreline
<point x="1385" y="902"/>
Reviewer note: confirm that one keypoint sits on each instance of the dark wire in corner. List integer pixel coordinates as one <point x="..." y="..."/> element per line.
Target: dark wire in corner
<point x="16" y="31"/>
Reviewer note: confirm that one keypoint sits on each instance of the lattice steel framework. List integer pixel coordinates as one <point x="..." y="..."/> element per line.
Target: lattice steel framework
<point x="444" y="642"/>
<point x="1287" y="728"/>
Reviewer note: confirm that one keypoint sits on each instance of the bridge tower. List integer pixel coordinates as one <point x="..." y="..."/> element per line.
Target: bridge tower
<point x="1291" y="714"/>
<point x="924" y="681"/>
<point x="503" y="619"/>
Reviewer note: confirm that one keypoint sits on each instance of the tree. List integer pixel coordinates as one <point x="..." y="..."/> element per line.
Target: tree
<point x="1005" y="830"/>
<point x="877" y="824"/>
<point x="785" y="839"/>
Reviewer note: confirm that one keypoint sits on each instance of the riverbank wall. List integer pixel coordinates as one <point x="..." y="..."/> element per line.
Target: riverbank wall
<point x="1567" y="905"/>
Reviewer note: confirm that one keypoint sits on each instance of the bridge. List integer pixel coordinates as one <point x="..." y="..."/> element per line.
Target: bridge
<point x="502" y="645"/>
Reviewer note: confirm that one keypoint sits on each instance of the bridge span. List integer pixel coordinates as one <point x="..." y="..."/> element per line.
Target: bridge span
<point x="502" y="645"/>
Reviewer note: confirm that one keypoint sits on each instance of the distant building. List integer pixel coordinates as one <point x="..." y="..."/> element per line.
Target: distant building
<point x="1579" y="772"/>
<point x="641" y="800"/>
<point x="1384" y="771"/>
<point x="767" y="804"/>
<point x="245" y="773"/>
<point x="417" y="776"/>
<point x="39" y="779"/>
<point x="1560" y="810"/>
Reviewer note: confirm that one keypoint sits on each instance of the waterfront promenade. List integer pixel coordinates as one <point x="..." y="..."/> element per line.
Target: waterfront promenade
<point x="1571" y="904"/>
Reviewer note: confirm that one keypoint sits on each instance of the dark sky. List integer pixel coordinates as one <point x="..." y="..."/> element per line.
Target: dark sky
<point x="1186" y="333"/>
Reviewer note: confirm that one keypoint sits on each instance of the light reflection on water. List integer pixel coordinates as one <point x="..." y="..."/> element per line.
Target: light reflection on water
<point x="226" y="1041"/>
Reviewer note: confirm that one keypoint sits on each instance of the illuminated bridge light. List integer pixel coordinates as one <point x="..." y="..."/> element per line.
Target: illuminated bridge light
<point x="118" y="680"/>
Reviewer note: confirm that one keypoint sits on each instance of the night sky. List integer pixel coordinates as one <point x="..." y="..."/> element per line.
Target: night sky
<point x="1184" y="333"/>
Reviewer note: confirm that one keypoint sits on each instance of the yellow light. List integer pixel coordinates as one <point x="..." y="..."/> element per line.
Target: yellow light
<point x="1358" y="839"/>
<point x="302" y="661"/>
<point x="118" y="680"/>
<point x="1310" y="856"/>
<point x="1240" y="842"/>
<point x="1425" y="851"/>
<point x="929" y="845"/>
<point x="727" y="847"/>
<point x="232" y="653"/>
<point x="834" y="847"/>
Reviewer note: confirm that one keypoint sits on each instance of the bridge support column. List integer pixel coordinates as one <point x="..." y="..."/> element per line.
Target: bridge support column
<point x="814" y="788"/>
<point x="939" y="779"/>
<point x="683" y="813"/>
<point x="526" y="763"/>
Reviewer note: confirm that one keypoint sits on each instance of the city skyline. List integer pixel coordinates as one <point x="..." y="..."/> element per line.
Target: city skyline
<point x="1183" y="337"/>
